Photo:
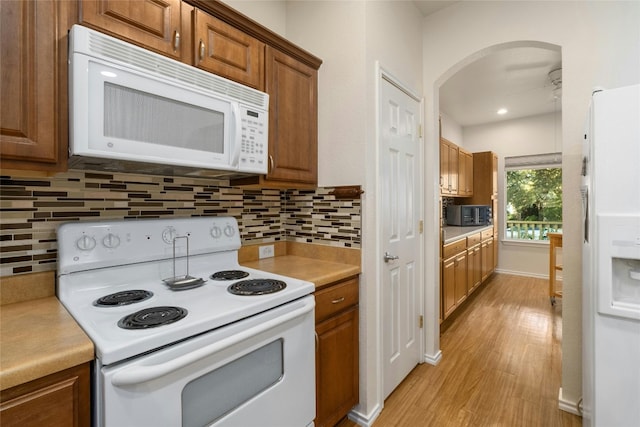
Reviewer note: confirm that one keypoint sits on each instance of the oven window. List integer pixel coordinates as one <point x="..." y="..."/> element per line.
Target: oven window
<point x="140" y="116"/>
<point x="219" y="392"/>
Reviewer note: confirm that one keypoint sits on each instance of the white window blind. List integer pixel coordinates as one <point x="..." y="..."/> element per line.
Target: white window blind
<point x="534" y="161"/>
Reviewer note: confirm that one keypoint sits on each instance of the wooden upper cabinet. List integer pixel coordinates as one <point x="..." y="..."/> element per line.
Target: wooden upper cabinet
<point x="293" y="120"/>
<point x="33" y="113"/>
<point x="153" y="24"/>
<point x="465" y="173"/>
<point x="448" y="167"/>
<point x="227" y="51"/>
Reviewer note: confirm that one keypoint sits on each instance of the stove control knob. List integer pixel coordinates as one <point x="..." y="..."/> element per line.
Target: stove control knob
<point x="86" y="243"/>
<point x="111" y="241"/>
<point x="216" y="232"/>
<point x="169" y="234"/>
<point x="228" y="231"/>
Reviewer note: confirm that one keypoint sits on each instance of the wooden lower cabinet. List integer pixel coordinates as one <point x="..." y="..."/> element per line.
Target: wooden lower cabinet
<point x="448" y="287"/>
<point x="337" y="355"/>
<point x="57" y="400"/>
<point x="486" y="249"/>
<point x="454" y="282"/>
<point x="467" y="263"/>
<point x="474" y="268"/>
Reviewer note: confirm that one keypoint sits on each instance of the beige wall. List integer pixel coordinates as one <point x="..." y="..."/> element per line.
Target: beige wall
<point x="600" y="44"/>
<point x="529" y="135"/>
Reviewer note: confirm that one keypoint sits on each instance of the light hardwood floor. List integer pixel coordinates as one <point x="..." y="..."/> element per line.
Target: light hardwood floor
<point x="501" y="365"/>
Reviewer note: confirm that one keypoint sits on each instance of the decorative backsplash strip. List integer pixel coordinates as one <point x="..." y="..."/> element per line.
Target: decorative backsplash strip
<point x="32" y="208"/>
<point x="314" y="215"/>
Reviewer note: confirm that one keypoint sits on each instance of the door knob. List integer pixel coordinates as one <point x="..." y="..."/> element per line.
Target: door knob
<point x="388" y="257"/>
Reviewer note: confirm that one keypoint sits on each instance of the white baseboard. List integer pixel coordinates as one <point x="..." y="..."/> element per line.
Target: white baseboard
<point x="568" y="405"/>
<point x="363" y="419"/>
<point x="523" y="273"/>
<point x="433" y="359"/>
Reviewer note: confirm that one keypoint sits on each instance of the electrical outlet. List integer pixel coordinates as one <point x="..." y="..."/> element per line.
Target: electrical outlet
<point x="266" y="251"/>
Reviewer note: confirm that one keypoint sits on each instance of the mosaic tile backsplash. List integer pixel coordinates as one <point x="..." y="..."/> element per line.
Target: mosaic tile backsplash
<point x="32" y="208"/>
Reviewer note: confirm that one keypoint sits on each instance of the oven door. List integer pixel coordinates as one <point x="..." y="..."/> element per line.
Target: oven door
<point x="259" y="371"/>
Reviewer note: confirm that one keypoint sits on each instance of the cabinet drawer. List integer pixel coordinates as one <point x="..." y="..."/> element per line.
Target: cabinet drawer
<point x="453" y="248"/>
<point x="473" y="240"/>
<point x="486" y="234"/>
<point x="336" y="298"/>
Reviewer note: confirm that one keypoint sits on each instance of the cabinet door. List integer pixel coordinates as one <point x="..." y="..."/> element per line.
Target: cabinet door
<point x="465" y="173"/>
<point x="474" y="268"/>
<point x="453" y="169"/>
<point x="444" y="167"/>
<point x="448" y="286"/>
<point x="60" y="399"/>
<point x="460" y="271"/>
<point x="33" y="85"/>
<point x="227" y="51"/>
<point x="154" y="24"/>
<point x="336" y="367"/>
<point x="293" y="120"/>
<point x="487" y="258"/>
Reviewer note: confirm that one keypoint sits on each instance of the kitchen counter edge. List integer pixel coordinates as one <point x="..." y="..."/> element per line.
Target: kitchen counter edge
<point x="452" y="234"/>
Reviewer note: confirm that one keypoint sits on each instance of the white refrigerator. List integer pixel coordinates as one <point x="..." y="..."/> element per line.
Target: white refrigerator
<point x="611" y="260"/>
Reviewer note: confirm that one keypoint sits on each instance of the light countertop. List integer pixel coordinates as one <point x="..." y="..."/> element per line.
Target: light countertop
<point x="451" y="233"/>
<point x="319" y="272"/>
<point x="37" y="338"/>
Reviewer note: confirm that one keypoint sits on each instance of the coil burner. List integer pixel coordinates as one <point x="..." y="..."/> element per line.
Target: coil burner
<point x="152" y="317"/>
<point x="256" y="287"/>
<point x="123" y="298"/>
<point x="229" y="275"/>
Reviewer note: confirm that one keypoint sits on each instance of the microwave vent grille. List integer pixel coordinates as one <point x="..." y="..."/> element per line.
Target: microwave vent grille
<point x="132" y="55"/>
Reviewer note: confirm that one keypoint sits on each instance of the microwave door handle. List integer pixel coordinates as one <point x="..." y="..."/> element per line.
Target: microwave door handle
<point x="237" y="136"/>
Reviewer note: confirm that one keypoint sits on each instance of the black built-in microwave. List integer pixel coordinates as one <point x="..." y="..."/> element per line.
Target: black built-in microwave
<point x="469" y="215"/>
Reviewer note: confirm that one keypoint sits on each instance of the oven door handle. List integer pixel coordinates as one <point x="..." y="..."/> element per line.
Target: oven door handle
<point x="140" y="374"/>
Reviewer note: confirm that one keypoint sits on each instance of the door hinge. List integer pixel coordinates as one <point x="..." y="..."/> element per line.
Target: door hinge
<point x="421" y="226"/>
<point x="421" y="321"/>
<point x="419" y="131"/>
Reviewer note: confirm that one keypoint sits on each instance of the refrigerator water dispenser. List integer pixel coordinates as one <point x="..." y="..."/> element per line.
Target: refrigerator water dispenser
<point x="619" y="265"/>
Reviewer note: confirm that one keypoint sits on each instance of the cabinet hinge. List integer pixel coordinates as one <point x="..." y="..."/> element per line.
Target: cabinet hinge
<point x="421" y="227"/>
<point x="421" y="321"/>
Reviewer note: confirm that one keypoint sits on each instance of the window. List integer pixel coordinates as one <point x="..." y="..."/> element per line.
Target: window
<point x="534" y="196"/>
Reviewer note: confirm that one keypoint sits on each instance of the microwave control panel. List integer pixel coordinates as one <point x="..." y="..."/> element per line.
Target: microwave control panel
<point x="254" y="138"/>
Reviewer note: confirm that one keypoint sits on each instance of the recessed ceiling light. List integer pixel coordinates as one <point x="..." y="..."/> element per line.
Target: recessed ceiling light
<point x="502" y="111"/>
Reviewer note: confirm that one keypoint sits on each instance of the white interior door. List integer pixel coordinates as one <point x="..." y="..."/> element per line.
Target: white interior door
<point x="401" y="199"/>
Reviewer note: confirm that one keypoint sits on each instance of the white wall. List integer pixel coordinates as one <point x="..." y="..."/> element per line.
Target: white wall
<point x="335" y="32"/>
<point x="517" y="137"/>
<point x="600" y="44"/>
<point x="269" y="13"/>
<point x="451" y="129"/>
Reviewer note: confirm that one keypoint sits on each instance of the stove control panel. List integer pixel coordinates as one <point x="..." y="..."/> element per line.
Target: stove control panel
<point x="87" y="245"/>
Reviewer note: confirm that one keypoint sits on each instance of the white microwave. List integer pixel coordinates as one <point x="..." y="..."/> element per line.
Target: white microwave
<point x="134" y="110"/>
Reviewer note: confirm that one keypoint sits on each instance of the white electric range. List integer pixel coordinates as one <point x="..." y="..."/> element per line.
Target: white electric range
<point x="174" y="318"/>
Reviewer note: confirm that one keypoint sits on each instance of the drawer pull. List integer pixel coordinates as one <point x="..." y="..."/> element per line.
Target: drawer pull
<point x="176" y="40"/>
<point x="202" y="48"/>
<point x="337" y="300"/>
